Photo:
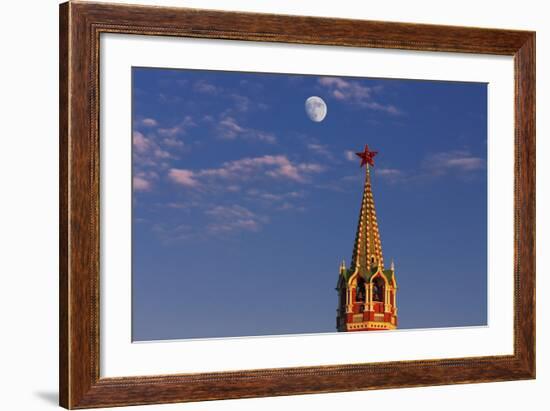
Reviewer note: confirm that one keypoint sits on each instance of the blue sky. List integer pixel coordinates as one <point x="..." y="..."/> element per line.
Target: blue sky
<point x="243" y="207"/>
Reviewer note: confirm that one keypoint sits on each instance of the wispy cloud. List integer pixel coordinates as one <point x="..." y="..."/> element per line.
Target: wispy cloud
<point x="460" y="163"/>
<point x="392" y="175"/>
<point x="321" y="150"/>
<point x="155" y="144"/>
<point x="148" y="122"/>
<point x="279" y="201"/>
<point x="179" y="129"/>
<point x="170" y="233"/>
<point x="205" y="87"/>
<point x="241" y="103"/>
<point x="147" y="152"/>
<point x="236" y="225"/>
<point x="237" y="101"/>
<point x="453" y="161"/>
<point x="346" y="89"/>
<point x="141" y="184"/>
<point x="229" y="129"/>
<point x="233" y="218"/>
<point x="353" y="92"/>
<point x="169" y="99"/>
<point x="183" y="177"/>
<point x="252" y="86"/>
<point x="143" y="180"/>
<point x="270" y="196"/>
<point x="170" y="131"/>
<point x="216" y="219"/>
<point x="248" y="168"/>
<point x="140" y="142"/>
<point x="390" y="172"/>
<point x="350" y="155"/>
<point x="230" y="212"/>
<point x="288" y="206"/>
<point x="144" y="158"/>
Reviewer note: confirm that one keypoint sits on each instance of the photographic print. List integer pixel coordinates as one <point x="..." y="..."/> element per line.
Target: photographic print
<point x="273" y="204"/>
<point x="234" y="184"/>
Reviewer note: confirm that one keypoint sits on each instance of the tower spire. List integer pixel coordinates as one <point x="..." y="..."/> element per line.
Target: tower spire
<point x="366" y="291"/>
<point x="367" y="250"/>
<point x="343" y="267"/>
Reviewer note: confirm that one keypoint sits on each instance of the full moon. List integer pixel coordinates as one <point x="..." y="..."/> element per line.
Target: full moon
<point x="316" y="108"/>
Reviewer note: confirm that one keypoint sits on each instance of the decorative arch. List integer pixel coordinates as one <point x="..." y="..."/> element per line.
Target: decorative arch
<point x="352" y="281"/>
<point x="360" y="290"/>
<point x="379" y="284"/>
<point x="353" y="278"/>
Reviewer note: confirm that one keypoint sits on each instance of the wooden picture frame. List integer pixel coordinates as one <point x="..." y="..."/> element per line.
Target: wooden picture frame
<point x="80" y="27"/>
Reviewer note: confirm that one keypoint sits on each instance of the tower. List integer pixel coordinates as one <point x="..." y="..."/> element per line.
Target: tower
<point x="366" y="291"/>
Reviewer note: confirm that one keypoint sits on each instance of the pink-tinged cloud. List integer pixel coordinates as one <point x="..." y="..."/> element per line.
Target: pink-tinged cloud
<point x="470" y="163"/>
<point x="141" y="184"/>
<point x="163" y="154"/>
<point x="140" y="142"/>
<point x="337" y="94"/>
<point x="143" y="180"/>
<point x="148" y="154"/>
<point x="248" y="168"/>
<point x="185" y="178"/>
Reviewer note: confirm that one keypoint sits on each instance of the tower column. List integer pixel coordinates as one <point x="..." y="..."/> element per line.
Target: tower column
<point x="371" y="306"/>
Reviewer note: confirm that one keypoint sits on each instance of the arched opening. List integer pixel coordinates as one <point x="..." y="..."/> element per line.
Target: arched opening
<point x="378" y="289"/>
<point x="360" y="292"/>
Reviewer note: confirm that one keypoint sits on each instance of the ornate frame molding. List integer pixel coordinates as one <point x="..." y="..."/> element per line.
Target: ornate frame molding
<point x="80" y="27"/>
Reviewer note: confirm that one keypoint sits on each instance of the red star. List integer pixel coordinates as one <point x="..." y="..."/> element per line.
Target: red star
<point x="367" y="156"/>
